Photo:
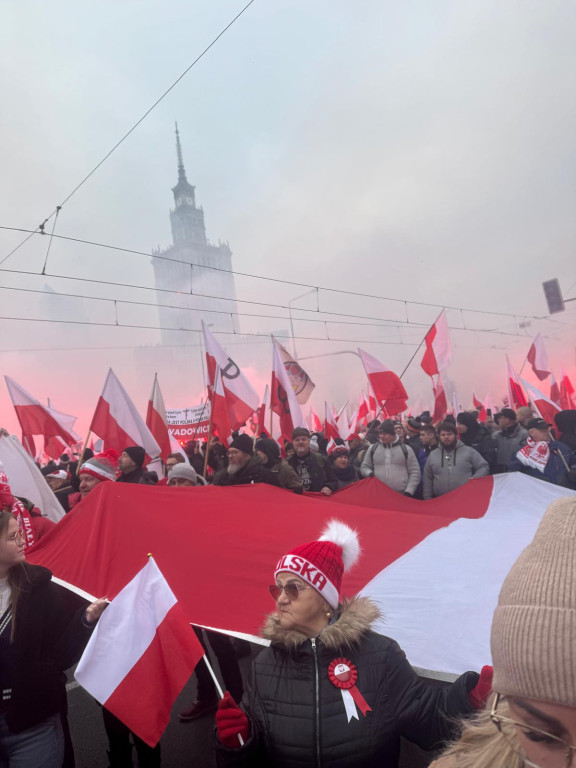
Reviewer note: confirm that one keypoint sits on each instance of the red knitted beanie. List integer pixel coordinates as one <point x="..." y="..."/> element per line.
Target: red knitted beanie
<point x="322" y="563"/>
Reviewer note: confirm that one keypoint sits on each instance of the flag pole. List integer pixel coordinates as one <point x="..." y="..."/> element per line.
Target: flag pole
<point x="81" y="458"/>
<point x="207" y="452"/>
<point x="419" y="345"/>
<point x="218" y="688"/>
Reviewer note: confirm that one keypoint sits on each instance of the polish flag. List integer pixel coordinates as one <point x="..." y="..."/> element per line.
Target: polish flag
<point x="538" y="358"/>
<point x="545" y="407"/>
<point x="156" y="420"/>
<point x="372" y="403"/>
<point x="387" y="387"/>
<point x="482" y="415"/>
<point x="283" y="398"/>
<point x="331" y="431"/>
<point x="554" y="390"/>
<point x="352" y="424"/>
<point x="241" y="397"/>
<point x="316" y="421"/>
<point x="438" y="354"/>
<point x="516" y="397"/>
<point x="141" y="655"/>
<point x="263" y="414"/>
<point x="363" y="408"/>
<point x="567" y="400"/>
<point x="219" y="413"/>
<point x="38" y="419"/>
<point x="118" y="423"/>
<point x="440" y="401"/>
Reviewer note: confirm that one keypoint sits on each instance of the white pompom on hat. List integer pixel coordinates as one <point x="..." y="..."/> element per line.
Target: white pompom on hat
<point x="322" y="563"/>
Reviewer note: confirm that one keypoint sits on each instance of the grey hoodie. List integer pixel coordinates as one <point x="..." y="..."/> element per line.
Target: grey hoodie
<point x="446" y="470"/>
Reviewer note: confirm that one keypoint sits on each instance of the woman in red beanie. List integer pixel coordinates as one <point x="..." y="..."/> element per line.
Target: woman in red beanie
<point x="329" y="690"/>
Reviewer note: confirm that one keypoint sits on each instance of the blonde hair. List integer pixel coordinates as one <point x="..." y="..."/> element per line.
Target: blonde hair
<point x="482" y="745"/>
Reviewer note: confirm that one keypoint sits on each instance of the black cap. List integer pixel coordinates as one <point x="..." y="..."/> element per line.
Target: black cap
<point x="537" y="424"/>
<point x="508" y="413"/>
<point x="300" y="432"/>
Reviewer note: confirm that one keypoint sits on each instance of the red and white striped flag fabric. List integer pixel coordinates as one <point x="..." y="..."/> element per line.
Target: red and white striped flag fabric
<point x="567" y="400"/>
<point x="141" y="655"/>
<point x="440" y="401"/>
<point x="331" y="431"/>
<point x="386" y="385"/>
<point x="438" y="354"/>
<point x="363" y="408"/>
<point x="373" y="404"/>
<point x="538" y="358"/>
<point x="283" y="398"/>
<point x="219" y="413"/>
<point x="516" y="396"/>
<point x="352" y="424"/>
<point x="545" y="407"/>
<point x="38" y="419"/>
<point x="117" y="421"/>
<point x="156" y="420"/>
<point x="241" y="397"/>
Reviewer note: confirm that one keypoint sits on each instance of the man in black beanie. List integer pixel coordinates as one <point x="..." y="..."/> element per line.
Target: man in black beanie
<point x="243" y="467"/>
<point x="130" y="464"/>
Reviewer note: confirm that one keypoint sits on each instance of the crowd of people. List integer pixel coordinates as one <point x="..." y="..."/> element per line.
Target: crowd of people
<point x="286" y="708"/>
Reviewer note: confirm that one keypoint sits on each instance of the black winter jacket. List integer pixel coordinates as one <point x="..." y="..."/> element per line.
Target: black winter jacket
<point x="253" y="472"/>
<point x="49" y="638"/>
<point x="314" y="471"/>
<point x="297" y="715"/>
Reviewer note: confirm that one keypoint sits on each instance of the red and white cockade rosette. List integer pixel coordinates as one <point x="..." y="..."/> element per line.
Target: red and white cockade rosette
<point x="343" y="674"/>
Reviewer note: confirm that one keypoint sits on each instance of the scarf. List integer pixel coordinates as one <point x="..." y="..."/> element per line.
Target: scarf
<point x="535" y="455"/>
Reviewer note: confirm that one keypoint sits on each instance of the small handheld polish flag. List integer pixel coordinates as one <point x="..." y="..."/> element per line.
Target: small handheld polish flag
<point x="141" y="655"/>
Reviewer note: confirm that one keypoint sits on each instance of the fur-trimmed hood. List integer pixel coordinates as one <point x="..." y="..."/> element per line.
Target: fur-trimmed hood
<point x="356" y="617"/>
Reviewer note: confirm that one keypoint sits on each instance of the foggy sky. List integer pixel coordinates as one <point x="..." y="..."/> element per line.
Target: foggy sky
<point x="422" y="151"/>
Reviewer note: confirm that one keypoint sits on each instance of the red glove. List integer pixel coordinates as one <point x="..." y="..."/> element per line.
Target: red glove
<point x="478" y="696"/>
<point x="231" y="722"/>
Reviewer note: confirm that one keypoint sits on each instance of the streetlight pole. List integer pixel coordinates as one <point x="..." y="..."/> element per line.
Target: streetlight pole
<point x="313" y="290"/>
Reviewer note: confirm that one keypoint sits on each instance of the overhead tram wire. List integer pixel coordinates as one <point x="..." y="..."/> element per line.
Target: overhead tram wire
<point x="261" y="277"/>
<point x="382" y="323"/>
<point x="40" y="227"/>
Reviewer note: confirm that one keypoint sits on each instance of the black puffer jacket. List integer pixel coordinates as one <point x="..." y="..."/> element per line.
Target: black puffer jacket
<point x="252" y="472"/>
<point x="49" y="638"/>
<point x="297" y="715"/>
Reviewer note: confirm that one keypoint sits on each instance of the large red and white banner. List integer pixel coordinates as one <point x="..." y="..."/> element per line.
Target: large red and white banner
<point x="141" y="655"/>
<point x="38" y="419"/>
<point x="241" y="397"/>
<point x="117" y="421"/>
<point x="438" y="354"/>
<point x="435" y="567"/>
<point x="156" y="420"/>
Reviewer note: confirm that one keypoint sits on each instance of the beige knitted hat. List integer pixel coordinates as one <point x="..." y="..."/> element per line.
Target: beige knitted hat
<point x="534" y="626"/>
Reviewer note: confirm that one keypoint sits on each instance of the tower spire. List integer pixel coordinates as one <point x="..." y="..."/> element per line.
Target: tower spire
<point x="181" y="171"/>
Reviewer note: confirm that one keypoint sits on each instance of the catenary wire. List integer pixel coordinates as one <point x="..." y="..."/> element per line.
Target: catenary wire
<point x="384" y="324"/>
<point x="132" y="129"/>
<point x="273" y="279"/>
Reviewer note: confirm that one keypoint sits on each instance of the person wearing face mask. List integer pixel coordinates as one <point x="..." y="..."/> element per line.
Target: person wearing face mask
<point x="530" y="719"/>
<point x="329" y="690"/>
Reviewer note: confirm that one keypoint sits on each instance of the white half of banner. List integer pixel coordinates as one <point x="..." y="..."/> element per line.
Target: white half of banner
<point x="461" y="568"/>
